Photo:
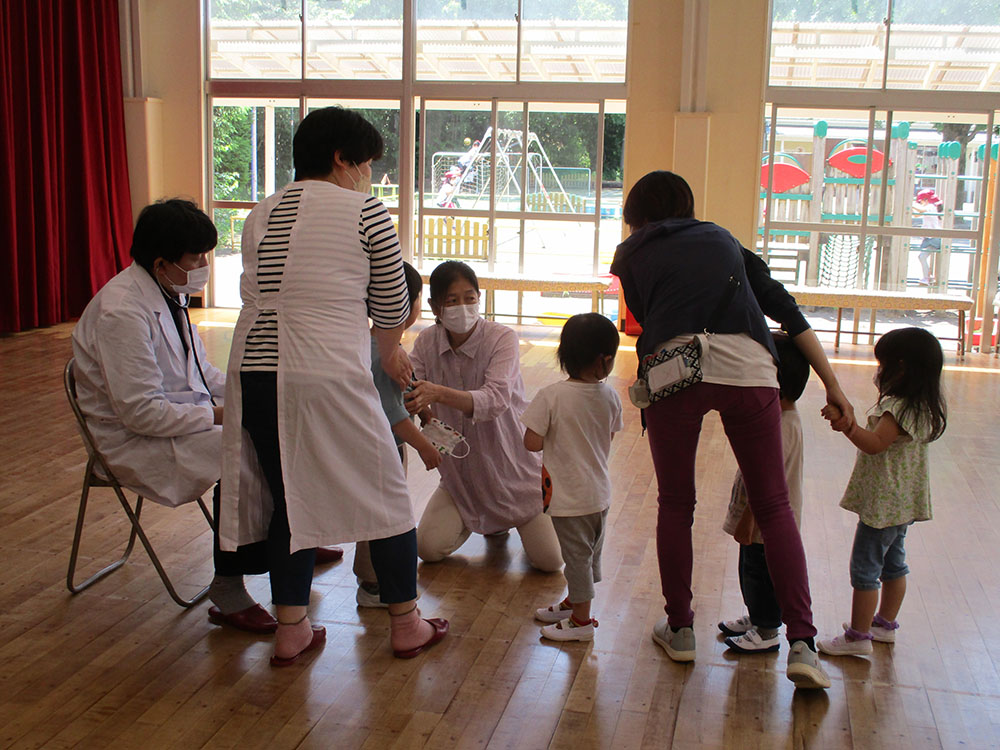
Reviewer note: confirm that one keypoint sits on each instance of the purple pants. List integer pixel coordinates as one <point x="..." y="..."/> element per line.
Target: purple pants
<point x="752" y="421"/>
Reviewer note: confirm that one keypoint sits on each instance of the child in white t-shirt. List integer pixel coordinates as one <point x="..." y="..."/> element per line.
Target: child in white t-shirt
<point x="573" y="422"/>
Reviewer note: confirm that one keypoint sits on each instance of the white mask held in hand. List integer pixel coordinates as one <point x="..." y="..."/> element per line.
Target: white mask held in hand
<point x="197" y="278"/>
<point x="362" y="184"/>
<point x="460" y="318"/>
<point x="447" y="440"/>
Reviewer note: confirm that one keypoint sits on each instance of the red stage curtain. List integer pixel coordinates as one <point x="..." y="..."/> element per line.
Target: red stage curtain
<point x="65" y="211"/>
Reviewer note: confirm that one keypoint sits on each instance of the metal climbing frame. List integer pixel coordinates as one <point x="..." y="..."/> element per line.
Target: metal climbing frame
<point x="511" y="151"/>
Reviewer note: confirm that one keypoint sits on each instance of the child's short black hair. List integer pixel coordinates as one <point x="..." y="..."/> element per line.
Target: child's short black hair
<point x="793" y="367"/>
<point x="170" y="228"/>
<point x="414" y="284"/>
<point x="584" y="338"/>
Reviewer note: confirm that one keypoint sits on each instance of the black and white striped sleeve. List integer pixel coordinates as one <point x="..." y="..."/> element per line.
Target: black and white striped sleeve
<point x="388" y="300"/>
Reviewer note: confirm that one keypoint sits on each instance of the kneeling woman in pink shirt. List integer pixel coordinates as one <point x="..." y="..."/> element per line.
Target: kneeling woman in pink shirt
<point x="469" y="371"/>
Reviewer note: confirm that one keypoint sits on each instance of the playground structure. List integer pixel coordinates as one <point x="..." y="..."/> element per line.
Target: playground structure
<point x="830" y="189"/>
<point x="463" y="178"/>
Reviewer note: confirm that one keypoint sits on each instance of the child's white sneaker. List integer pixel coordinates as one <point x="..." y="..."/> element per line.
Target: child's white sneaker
<point x="751" y="642"/>
<point x="739" y="626"/>
<point x="569" y="630"/>
<point x="555" y="613"/>
<point x="679" y="646"/>
<point x="804" y="668"/>
<point x="883" y="634"/>
<point x="366" y="598"/>
<point x="844" y="645"/>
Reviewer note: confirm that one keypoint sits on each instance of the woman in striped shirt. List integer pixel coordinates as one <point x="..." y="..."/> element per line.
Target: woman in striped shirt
<point x="309" y="458"/>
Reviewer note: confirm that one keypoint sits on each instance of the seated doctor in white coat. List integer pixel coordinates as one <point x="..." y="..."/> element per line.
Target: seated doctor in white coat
<point x="152" y="399"/>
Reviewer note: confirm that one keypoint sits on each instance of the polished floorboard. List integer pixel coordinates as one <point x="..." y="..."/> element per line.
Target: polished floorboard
<point x="120" y="665"/>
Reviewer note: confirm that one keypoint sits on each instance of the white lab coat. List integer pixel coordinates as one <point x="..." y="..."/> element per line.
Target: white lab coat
<point x="342" y="475"/>
<point x="144" y="400"/>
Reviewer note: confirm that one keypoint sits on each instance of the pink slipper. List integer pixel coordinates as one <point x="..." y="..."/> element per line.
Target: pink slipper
<point x="318" y="639"/>
<point x="440" y="631"/>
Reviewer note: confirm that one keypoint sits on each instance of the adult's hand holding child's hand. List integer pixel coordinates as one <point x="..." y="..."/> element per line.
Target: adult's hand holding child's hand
<point x="836" y="418"/>
<point x="840" y="406"/>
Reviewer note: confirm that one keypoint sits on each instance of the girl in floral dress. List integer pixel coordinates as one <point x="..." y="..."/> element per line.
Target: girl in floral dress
<point x="889" y="488"/>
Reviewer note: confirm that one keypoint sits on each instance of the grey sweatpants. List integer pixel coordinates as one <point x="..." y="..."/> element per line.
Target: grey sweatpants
<point x="581" y="539"/>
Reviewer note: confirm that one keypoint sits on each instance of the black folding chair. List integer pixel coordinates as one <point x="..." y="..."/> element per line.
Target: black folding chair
<point x="98" y="474"/>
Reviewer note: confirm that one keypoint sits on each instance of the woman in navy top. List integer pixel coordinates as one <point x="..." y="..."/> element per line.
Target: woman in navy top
<point x="677" y="274"/>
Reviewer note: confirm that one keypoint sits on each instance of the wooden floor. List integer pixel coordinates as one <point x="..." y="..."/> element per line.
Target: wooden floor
<point x="121" y="666"/>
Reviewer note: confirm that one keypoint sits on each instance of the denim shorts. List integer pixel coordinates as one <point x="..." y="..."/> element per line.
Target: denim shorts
<point x="877" y="554"/>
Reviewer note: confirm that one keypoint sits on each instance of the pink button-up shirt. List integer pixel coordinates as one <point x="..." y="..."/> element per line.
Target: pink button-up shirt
<point x="498" y="485"/>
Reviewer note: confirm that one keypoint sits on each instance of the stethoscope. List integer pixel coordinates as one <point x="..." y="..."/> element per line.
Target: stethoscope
<point x="194" y="351"/>
<point x="187" y="317"/>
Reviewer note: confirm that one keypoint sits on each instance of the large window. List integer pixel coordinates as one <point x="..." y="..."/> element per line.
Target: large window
<point x="470" y="40"/>
<point x="924" y="193"/>
<point x="944" y="45"/>
<point x="880" y="147"/>
<point x="347" y="40"/>
<point x="251" y="157"/>
<point x="523" y="183"/>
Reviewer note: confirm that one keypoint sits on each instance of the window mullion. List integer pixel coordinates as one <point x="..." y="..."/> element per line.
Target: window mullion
<point x="303" y="19"/>
<point x="525" y="155"/>
<point x="407" y="137"/>
<point x="885" y="56"/>
<point x="422" y="176"/>
<point x="494" y="125"/>
<point x="519" y="16"/>
<point x="598" y="179"/>
<point x="770" y="181"/>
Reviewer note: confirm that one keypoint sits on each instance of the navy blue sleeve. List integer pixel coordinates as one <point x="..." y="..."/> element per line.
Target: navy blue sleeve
<point x="773" y="298"/>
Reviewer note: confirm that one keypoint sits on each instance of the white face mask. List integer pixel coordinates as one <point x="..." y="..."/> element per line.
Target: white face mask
<point x="362" y="184"/>
<point x="197" y="278"/>
<point x="460" y="318"/>
<point x="446" y="439"/>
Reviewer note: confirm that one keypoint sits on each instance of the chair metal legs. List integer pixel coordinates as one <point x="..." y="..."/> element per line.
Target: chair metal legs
<point x="91" y="480"/>
<point x="88" y="482"/>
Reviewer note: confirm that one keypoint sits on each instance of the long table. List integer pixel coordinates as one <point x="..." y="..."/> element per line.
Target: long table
<point x="874" y="300"/>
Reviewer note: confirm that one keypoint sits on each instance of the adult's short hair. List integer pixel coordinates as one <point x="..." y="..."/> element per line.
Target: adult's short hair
<point x="170" y="228"/>
<point x="446" y="274"/>
<point x="326" y="131"/>
<point x="656" y="196"/>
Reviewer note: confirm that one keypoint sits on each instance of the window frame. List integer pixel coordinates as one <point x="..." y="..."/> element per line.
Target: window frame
<point x="888" y="101"/>
<point x="410" y="93"/>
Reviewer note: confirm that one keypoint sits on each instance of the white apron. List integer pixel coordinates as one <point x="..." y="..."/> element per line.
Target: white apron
<point x="342" y="474"/>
